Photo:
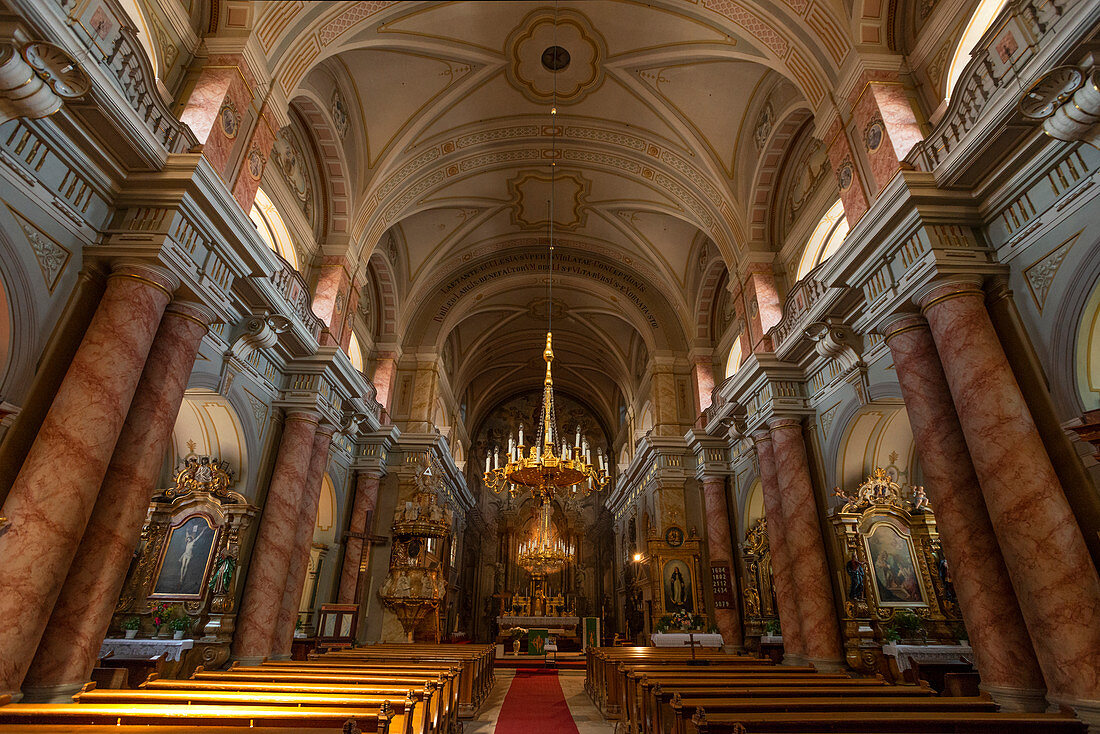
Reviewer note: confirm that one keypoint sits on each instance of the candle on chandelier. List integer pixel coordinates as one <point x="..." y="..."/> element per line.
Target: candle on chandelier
<point x="488" y="463"/>
<point x="520" y="434"/>
<point x="496" y="457"/>
<point x="578" y="441"/>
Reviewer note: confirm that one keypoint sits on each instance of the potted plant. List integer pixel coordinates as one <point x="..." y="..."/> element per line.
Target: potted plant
<point x="130" y="627"/>
<point x="159" y="612"/>
<point x="299" y="628"/>
<point x="179" y="624"/>
<point x="905" y="627"/>
<point x="771" y="628"/>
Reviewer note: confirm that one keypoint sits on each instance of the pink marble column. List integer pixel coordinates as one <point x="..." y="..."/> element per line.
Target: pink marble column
<point x="720" y="546"/>
<point x="1002" y="648"/>
<point x="267" y="571"/>
<point x="52" y="497"/>
<point x="1046" y="556"/>
<point x="806" y="545"/>
<point x="83" y="611"/>
<point x="366" y="498"/>
<point x="299" y="551"/>
<point x="786" y="593"/>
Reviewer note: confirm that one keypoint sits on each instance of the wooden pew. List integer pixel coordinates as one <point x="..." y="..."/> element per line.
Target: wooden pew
<point x="322" y="676"/>
<point x="17" y="716"/>
<point x="430" y="696"/>
<point x="408" y="712"/>
<point x="874" y="722"/>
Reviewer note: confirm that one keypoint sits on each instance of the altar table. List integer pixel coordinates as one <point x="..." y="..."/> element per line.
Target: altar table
<point x="927" y="654"/>
<point x="145" y="648"/>
<point x="552" y="623"/>
<point x="681" y="639"/>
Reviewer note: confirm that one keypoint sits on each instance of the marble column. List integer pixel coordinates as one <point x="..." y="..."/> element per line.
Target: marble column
<point x="720" y="546"/>
<point x="1002" y="648"/>
<point x="366" y="498"/>
<point x="82" y="614"/>
<point x="1050" y="567"/>
<point x="299" y="550"/>
<point x="806" y="546"/>
<point x="52" y="497"/>
<point x="786" y="593"/>
<point x="267" y="571"/>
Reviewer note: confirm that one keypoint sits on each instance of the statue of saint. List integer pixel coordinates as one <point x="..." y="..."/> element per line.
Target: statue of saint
<point x="857" y="576"/>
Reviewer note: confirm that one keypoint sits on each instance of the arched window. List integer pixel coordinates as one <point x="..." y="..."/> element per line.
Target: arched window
<point x="734" y="360"/>
<point x="355" y="353"/>
<point x="272" y="228"/>
<point x="975" y="29"/>
<point x="825" y="240"/>
<point x="144" y="33"/>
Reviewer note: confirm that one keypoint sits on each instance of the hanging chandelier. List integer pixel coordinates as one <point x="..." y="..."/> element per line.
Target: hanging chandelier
<point x="549" y="465"/>
<point x="543" y="553"/>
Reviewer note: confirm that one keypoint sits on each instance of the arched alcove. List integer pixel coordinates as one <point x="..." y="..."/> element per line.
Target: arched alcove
<point x="1088" y="352"/>
<point x="208" y="425"/>
<point x="877" y="435"/>
<point x="753" y="508"/>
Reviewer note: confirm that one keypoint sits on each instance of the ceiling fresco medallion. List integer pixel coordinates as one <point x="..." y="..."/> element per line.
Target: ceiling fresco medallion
<point x="530" y="194"/>
<point x="573" y="53"/>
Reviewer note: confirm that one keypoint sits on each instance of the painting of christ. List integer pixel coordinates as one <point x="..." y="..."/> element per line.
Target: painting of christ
<point x="188" y="551"/>
<point x="897" y="582"/>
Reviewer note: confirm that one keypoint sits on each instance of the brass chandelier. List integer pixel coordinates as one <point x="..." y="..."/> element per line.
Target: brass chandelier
<point x="549" y="465"/>
<point x="543" y="553"/>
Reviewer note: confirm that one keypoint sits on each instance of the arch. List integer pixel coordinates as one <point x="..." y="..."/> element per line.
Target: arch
<point x="385" y="309"/>
<point x="1087" y="362"/>
<point x="769" y="172"/>
<point x="733" y="361"/>
<point x="979" y="23"/>
<point x="876" y="435"/>
<point x="355" y="352"/>
<point x="144" y="33"/>
<point x="269" y="223"/>
<point x="208" y="425"/>
<point x="19" y="311"/>
<point x="825" y="240"/>
<point x="326" y="526"/>
<point x="334" y="166"/>
<point x="753" y="508"/>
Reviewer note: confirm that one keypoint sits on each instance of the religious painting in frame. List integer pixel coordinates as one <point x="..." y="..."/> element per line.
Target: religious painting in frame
<point x="186" y="558"/>
<point x="677" y="587"/>
<point x="896" y="578"/>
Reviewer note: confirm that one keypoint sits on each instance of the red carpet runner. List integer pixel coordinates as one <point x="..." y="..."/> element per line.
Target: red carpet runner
<point x="535" y="704"/>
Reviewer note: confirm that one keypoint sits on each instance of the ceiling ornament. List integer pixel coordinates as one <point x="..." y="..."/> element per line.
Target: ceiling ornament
<point x="540" y="468"/>
<point x="568" y="42"/>
<point x="544" y="552"/>
<point x="530" y="190"/>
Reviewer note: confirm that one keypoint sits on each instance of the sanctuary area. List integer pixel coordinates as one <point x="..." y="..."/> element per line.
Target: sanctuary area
<point x="550" y="366"/>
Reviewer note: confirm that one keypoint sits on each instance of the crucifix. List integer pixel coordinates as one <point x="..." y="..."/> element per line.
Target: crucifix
<point x="693" y="644"/>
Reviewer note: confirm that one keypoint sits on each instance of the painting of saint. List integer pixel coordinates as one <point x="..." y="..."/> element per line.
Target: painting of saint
<point x="677" y="587"/>
<point x="187" y="554"/>
<point x="896" y="579"/>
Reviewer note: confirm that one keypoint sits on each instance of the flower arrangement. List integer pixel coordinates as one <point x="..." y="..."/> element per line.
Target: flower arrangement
<point x="517" y="633"/>
<point x="682" y="620"/>
<point x="131" y="623"/>
<point x="159" y="612"/>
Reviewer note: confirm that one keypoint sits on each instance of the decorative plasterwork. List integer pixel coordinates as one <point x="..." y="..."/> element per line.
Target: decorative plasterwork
<point x="540" y="31"/>
<point x="530" y="192"/>
<point x="1041" y="273"/>
<point x="52" y="257"/>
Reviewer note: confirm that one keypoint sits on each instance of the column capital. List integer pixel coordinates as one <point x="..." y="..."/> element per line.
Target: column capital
<point x="761" y="436"/>
<point x="306" y="416"/>
<point x="196" y="312"/>
<point x="942" y="289"/>
<point x="783" y="423"/>
<point x="902" y="321"/>
<point x="148" y="273"/>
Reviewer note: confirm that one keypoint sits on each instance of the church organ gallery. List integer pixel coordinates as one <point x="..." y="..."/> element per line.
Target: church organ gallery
<point x="390" y="355"/>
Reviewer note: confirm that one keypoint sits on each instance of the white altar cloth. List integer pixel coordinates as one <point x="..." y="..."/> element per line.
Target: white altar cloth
<point x="930" y="654"/>
<point x="145" y="648"/>
<point x="681" y="639"/>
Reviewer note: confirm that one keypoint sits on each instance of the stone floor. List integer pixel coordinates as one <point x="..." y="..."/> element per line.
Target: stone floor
<point x="586" y="716"/>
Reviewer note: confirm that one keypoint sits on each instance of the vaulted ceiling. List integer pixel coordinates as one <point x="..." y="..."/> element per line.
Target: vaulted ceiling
<point x="444" y="141"/>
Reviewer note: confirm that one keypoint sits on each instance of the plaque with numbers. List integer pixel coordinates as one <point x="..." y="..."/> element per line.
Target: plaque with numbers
<point x="720" y="578"/>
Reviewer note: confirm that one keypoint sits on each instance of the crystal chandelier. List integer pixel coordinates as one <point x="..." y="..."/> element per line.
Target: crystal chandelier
<point x="544" y="553"/>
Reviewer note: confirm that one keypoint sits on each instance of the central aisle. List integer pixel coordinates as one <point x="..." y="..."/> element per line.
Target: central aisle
<point x="538" y="702"/>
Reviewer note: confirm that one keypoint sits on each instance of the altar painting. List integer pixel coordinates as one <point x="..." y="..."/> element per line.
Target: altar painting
<point x="185" y="562"/>
<point x="897" y="583"/>
<point x="677" y="585"/>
